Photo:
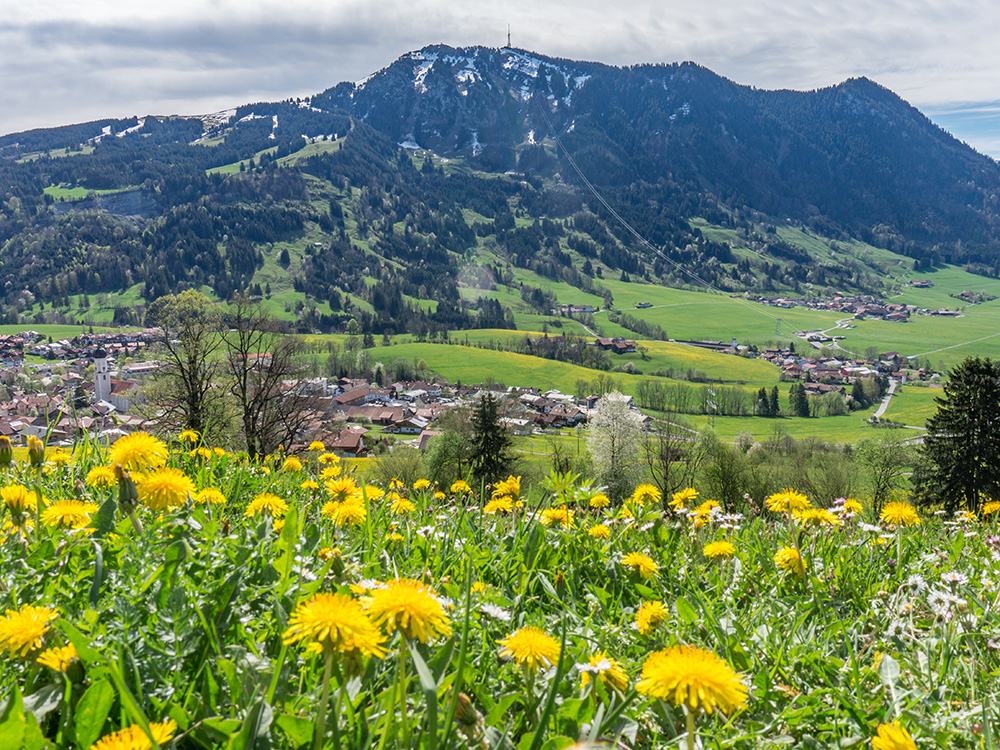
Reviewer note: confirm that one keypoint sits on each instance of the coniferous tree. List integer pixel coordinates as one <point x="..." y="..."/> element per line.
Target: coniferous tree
<point x="961" y="451"/>
<point x="490" y="442"/>
<point x="773" y="405"/>
<point x="798" y="401"/>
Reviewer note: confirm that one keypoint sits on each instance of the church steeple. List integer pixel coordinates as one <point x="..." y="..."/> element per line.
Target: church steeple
<point x="102" y="378"/>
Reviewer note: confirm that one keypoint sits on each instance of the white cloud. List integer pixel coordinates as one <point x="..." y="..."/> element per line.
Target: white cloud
<point x="64" y="61"/>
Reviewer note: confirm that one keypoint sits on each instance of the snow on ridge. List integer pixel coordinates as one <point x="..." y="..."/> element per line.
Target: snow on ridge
<point x="126" y="131"/>
<point x="252" y="116"/>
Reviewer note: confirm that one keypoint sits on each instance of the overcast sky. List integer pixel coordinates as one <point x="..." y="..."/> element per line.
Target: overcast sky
<point x="66" y="61"/>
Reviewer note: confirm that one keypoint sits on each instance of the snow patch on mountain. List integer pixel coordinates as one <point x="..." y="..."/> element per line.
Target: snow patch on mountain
<point x="126" y="131"/>
<point x="425" y="61"/>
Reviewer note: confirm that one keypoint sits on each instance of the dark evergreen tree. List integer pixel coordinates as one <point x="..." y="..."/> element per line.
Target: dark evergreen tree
<point x="961" y="451"/>
<point x="773" y="404"/>
<point x="798" y="401"/>
<point x="491" y="456"/>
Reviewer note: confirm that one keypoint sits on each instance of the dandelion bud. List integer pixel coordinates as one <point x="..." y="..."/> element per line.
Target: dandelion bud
<point x="36" y="451"/>
<point x="465" y="714"/>
<point x="78" y="489"/>
<point x="128" y="495"/>
<point x="6" y="451"/>
<point x="337" y="567"/>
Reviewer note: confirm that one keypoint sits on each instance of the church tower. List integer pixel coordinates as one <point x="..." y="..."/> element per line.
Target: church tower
<point x="102" y="378"/>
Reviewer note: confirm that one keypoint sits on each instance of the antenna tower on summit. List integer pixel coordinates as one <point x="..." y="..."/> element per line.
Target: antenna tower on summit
<point x="508" y="36"/>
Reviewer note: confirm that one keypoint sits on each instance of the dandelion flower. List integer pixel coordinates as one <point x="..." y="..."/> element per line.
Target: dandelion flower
<point x="310" y="485"/>
<point x="789" y="559"/>
<point x="892" y="737"/>
<point x="439" y="495"/>
<point x="817" y="517"/>
<point x="335" y="621"/>
<point x="316" y="446"/>
<point x="165" y="489"/>
<point x="330" y="472"/>
<point x="719" y="550"/>
<point x="343" y="489"/>
<point x="460" y="487"/>
<point x="266" y="502"/>
<point x="600" y="500"/>
<point x="680" y="500"/>
<point x="899" y="514"/>
<point x="188" y="436"/>
<point x="692" y="677"/>
<point x="210" y="496"/>
<point x="102" y="477"/>
<point x="530" y="647"/>
<point x="599" y="531"/>
<point x="17" y="498"/>
<point x="649" y="615"/>
<point x="510" y="486"/>
<point x="36" y="451"/>
<point x="372" y="492"/>
<point x="328" y="459"/>
<point x="990" y="508"/>
<point x="134" y="738"/>
<point x="351" y="512"/>
<point x="291" y="464"/>
<point x="410" y="607"/>
<point x="504" y="504"/>
<point x="68" y="514"/>
<point x="139" y="451"/>
<point x="608" y="670"/>
<point x="642" y="564"/>
<point x="557" y="516"/>
<point x="787" y="501"/>
<point x="60" y="457"/>
<point x="421" y="484"/>
<point x="22" y="630"/>
<point x="852" y="506"/>
<point x="58" y="658"/>
<point x="646" y="493"/>
<point x="402" y="506"/>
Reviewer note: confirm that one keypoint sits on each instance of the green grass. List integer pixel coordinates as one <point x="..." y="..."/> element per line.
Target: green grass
<point x="65" y="193"/>
<point x="947" y="280"/>
<point x="913" y="405"/>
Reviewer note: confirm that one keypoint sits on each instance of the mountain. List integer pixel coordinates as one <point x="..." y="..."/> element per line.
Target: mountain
<point x="456" y="184"/>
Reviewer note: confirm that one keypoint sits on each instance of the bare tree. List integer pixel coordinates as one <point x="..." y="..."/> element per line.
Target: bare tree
<point x="182" y="396"/>
<point x="674" y="455"/>
<point x="264" y="378"/>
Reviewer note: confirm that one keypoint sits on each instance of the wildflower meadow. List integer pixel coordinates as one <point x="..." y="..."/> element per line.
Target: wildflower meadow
<point x="169" y="594"/>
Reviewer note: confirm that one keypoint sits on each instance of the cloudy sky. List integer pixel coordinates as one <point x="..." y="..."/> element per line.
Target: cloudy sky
<point x="65" y="61"/>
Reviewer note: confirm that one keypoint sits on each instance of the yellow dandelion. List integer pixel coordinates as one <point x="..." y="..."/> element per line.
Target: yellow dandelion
<point x="316" y="447"/>
<point x="210" y="496"/>
<point x="645" y="494"/>
<point x="60" y="457"/>
<point x="650" y="615"/>
<point x="692" y="677"/>
<point x="373" y="493"/>
<point x="329" y="459"/>
<point x="421" y="484"/>
<point x="510" y="486"/>
<point x="599" y="531"/>
<point x="503" y="504"/>
<point x="900" y="514"/>
<point x="102" y="477"/>
<point x="201" y="452"/>
<point x="600" y="500"/>
<point x="990" y="508"/>
<point x="266" y="502"/>
<point x="681" y="500"/>
<point x="460" y="487"/>
<point x="350" y="512"/>
<point x="402" y="506"/>
<point x="817" y="517"/>
<point x="892" y="737"/>
<point x="17" y="498"/>
<point x="410" y="607"/>
<point x="343" y="489"/>
<point x="58" y="658"/>
<point x="22" y="630"/>
<point x="330" y="472"/>
<point x="291" y="464"/>
<point x="608" y="670"/>
<point x="310" y="485"/>
<point x="789" y="559"/>
<point x="719" y="550"/>
<point x="165" y="489"/>
<point x="326" y="553"/>
<point x="36" y="451"/>
<point x="68" y="514"/>
<point x="337" y="622"/>
<point x="188" y="436"/>
<point x="642" y="564"/>
<point x="439" y="495"/>
<point x="134" y="738"/>
<point x="139" y="451"/>
<point x="479" y="588"/>
<point x="557" y="517"/>
<point x="395" y="484"/>
<point x="530" y="647"/>
<point x="787" y="501"/>
<point x="852" y="506"/>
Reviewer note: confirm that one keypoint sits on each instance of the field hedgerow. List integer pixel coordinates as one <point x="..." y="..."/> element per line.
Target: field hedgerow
<point x="202" y="601"/>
